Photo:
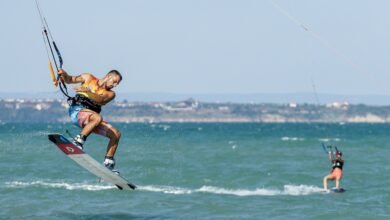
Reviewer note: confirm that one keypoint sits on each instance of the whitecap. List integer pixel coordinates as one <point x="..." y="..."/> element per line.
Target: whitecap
<point x="64" y="185"/>
<point x="165" y="189"/>
<point x="329" y="139"/>
<point x="290" y="190"/>
<point x="292" y="139"/>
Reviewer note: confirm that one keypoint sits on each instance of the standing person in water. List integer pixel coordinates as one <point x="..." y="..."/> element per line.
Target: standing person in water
<point x="337" y="168"/>
<point x="85" y="108"/>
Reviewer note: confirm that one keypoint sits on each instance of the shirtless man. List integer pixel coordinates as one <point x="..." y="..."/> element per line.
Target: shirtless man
<point x="85" y="108"/>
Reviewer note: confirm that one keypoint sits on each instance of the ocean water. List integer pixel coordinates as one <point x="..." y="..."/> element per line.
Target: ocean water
<point x="199" y="171"/>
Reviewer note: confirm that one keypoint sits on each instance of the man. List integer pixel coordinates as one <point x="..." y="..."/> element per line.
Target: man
<point x="86" y="105"/>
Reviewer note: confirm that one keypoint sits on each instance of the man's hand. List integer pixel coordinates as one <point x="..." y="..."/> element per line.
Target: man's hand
<point x="68" y="78"/>
<point x="61" y="71"/>
<point x="63" y="74"/>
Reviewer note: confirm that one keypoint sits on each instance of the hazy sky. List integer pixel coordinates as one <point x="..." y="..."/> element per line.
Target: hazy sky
<point x="203" y="46"/>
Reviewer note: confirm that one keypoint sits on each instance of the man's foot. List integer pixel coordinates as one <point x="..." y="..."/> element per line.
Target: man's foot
<point x="78" y="141"/>
<point x="109" y="162"/>
<point x="116" y="172"/>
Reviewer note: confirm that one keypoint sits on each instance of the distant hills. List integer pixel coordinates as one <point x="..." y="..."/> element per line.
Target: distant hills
<point x="191" y="110"/>
<point x="282" y="98"/>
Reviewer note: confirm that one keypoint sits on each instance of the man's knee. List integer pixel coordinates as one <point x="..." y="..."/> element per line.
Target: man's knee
<point x="117" y="134"/>
<point x="114" y="134"/>
<point x="96" y="118"/>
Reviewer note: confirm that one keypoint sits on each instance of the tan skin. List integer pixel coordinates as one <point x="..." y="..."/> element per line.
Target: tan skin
<point x="330" y="177"/>
<point x="108" y="82"/>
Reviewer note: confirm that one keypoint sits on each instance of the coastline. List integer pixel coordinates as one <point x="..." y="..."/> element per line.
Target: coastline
<point x="192" y="111"/>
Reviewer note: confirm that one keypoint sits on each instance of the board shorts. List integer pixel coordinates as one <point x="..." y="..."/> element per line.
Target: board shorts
<point x="337" y="173"/>
<point x="80" y="116"/>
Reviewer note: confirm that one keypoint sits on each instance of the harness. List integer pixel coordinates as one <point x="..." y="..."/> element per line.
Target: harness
<point x="85" y="102"/>
<point x="338" y="164"/>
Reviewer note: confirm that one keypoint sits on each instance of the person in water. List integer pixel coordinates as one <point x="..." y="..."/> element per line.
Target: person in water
<point x="337" y="169"/>
<point x="85" y="107"/>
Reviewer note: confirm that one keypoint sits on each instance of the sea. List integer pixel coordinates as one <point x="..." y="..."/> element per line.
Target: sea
<point x="199" y="171"/>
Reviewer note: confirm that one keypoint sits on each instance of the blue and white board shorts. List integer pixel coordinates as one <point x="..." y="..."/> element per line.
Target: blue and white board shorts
<point x="74" y="111"/>
<point x="80" y="119"/>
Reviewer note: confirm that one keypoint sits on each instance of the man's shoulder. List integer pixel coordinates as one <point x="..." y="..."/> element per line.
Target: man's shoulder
<point x="87" y="76"/>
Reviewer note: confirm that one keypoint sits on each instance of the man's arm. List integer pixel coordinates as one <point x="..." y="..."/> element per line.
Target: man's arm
<point x="108" y="97"/>
<point x="330" y="156"/>
<point x="100" y="99"/>
<point x="71" y="79"/>
<point x="330" y="153"/>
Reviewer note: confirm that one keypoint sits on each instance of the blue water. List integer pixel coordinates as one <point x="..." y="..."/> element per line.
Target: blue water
<point x="199" y="171"/>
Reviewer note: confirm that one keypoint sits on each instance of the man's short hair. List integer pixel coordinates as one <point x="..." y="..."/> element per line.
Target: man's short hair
<point x="117" y="73"/>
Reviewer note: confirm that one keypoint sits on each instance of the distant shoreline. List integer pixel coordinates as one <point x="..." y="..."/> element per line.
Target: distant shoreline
<point x="193" y="111"/>
<point x="238" y="98"/>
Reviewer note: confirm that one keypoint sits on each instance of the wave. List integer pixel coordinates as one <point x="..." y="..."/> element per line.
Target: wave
<point x="292" y="139"/>
<point x="289" y="190"/>
<point x="329" y="139"/>
<point x="68" y="186"/>
<point x="293" y="190"/>
<point x="303" y="139"/>
<point x="166" y="189"/>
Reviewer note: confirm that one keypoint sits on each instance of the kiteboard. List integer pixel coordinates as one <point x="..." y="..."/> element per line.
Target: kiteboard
<point x="337" y="190"/>
<point x="88" y="163"/>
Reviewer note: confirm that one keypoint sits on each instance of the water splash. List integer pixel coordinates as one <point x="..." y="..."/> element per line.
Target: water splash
<point x="166" y="189"/>
<point x="292" y="139"/>
<point x="289" y="190"/>
<point x="329" y="139"/>
<point x="64" y="185"/>
<point x="292" y="190"/>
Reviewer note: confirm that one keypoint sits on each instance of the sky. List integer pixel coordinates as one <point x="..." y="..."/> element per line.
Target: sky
<point x="203" y="46"/>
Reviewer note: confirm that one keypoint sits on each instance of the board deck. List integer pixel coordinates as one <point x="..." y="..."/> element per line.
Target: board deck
<point x="88" y="163"/>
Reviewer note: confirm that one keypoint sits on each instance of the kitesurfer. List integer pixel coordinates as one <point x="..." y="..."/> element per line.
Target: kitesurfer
<point x="336" y="172"/>
<point x="85" y="107"/>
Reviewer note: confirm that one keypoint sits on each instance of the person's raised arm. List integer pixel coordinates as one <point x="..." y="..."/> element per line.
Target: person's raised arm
<point x="70" y="79"/>
<point x="330" y="153"/>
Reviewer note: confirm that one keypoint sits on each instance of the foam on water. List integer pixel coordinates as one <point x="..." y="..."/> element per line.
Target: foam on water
<point x="64" y="185"/>
<point x="329" y="139"/>
<point x="166" y="189"/>
<point x="292" y="139"/>
<point x="292" y="190"/>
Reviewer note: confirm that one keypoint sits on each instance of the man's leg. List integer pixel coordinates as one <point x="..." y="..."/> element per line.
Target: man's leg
<point x="88" y="121"/>
<point x="91" y="121"/>
<point x="114" y="135"/>
<point x="107" y="130"/>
